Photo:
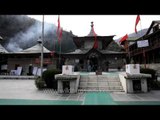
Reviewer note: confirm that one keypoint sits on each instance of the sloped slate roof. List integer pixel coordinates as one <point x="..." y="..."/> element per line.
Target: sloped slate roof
<point x="132" y="39"/>
<point x="78" y="51"/>
<point x="35" y="49"/>
<point x="152" y="24"/>
<point x="2" y="49"/>
<point x="111" y="52"/>
<point x="1" y="37"/>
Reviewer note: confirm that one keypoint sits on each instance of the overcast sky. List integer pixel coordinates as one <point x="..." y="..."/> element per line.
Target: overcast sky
<point x="104" y="25"/>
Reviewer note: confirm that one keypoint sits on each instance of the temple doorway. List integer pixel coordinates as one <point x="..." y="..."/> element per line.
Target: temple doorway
<point x="94" y="63"/>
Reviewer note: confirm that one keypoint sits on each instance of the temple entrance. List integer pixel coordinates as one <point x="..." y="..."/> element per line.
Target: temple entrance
<point x="94" y="63"/>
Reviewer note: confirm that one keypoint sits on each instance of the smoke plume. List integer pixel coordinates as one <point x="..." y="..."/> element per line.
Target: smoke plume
<point x="28" y="38"/>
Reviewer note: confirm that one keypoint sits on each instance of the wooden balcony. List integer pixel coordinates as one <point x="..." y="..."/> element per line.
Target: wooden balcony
<point x="151" y="47"/>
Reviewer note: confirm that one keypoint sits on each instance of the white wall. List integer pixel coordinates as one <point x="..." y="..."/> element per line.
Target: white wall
<point x="123" y="81"/>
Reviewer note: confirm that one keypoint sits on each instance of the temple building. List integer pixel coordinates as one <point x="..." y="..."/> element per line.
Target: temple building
<point x="88" y="58"/>
<point x="30" y="57"/>
<point x="148" y="54"/>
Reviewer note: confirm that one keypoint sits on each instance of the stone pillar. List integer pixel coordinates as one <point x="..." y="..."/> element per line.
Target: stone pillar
<point x="72" y="86"/>
<point x="60" y="86"/>
<point x="144" y="85"/>
<point x="129" y="86"/>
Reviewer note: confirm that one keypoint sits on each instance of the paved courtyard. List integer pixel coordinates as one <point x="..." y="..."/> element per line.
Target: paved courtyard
<point x="24" y="92"/>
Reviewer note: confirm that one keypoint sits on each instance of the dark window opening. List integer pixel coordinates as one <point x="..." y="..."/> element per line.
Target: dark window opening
<point x="66" y="86"/>
<point x="136" y="85"/>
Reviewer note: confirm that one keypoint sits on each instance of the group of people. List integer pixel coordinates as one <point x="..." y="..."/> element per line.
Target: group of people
<point x="91" y="67"/>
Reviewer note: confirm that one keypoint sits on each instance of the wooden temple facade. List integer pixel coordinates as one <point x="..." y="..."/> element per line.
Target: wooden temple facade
<point x="27" y="58"/>
<point x="87" y="58"/>
<point x="149" y="54"/>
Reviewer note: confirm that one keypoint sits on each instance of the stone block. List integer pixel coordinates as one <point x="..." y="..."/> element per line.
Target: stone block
<point x="133" y="68"/>
<point x="67" y="69"/>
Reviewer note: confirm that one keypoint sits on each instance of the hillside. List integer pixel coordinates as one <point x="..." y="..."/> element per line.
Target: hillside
<point x="139" y="34"/>
<point x="21" y="32"/>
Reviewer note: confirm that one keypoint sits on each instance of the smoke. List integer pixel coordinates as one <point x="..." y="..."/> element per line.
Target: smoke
<point x="28" y="38"/>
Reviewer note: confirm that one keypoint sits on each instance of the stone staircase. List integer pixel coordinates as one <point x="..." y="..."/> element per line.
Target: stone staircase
<point x="107" y="82"/>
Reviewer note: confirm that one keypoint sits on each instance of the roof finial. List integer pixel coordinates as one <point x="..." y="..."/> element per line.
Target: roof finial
<point x="92" y="24"/>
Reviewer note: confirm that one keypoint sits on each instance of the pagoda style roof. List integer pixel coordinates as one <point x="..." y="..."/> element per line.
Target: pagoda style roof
<point x="154" y="23"/>
<point x="85" y="51"/>
<point x="1" y="38"/>
<point x="35" y="49"/>
<point x="2" y="49"/>
<point x="79" y="41"/>
<point x="78" y="51"/>
<point x="111" y="52"/>
<point x="132" y="39"/>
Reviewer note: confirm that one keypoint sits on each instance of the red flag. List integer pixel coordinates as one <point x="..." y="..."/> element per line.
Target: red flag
<point x="59" y="31"/>
<point x="60" y="35"/>
<point x="95" y="46"/>
<point x="123" y="38"/>
<point x="58" y="26"/>
<point x="137" y="21"/>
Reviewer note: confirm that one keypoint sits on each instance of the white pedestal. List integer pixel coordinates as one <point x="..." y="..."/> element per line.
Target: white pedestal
<point x="67" y="69"/>
<point x="130" y="85"/>
<point x="133" y="68"/>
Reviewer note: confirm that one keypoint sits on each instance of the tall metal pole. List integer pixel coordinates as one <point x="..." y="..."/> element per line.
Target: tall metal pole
<point x="42" y="45"/>
<point x="60" y="54"/>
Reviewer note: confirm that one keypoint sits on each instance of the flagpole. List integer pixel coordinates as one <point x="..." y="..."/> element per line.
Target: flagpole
<point x="42" y="45"/>
<point x="143" y="48"/>
<point x="59" y="51"/>
<point x="54" y="46"/>
<point x="128" y="51"/>
<point x="59" y="35"/>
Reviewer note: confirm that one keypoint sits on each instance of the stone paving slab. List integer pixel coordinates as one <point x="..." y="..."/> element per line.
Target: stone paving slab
<point x="26" y="90"/>
<point x="150" y="96"/>
<point x="37" y="102"/>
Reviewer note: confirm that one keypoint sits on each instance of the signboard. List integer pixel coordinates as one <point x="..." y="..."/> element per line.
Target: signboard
<point x="142" y="43"/>
<point x="35" y="70"/>
<point x="133" y="68"/>
<point x="4" y="67"/>
<point x="39" y="71"/>
<point x="67" y="69"/>
<point x="19" y="70"/>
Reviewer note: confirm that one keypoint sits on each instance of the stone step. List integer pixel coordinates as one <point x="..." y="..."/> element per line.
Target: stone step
<point x="95" y="80"/>
<point x="100" y="81"/>
<point x="89" y="90"/>
<point x="99" y="84"/>
<point x="106" y="77"/>
<point x="85" y="80"/>
<point x="83" y="84"/>
<point x="102" y="87"/>
<point x="114" y="83"/>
